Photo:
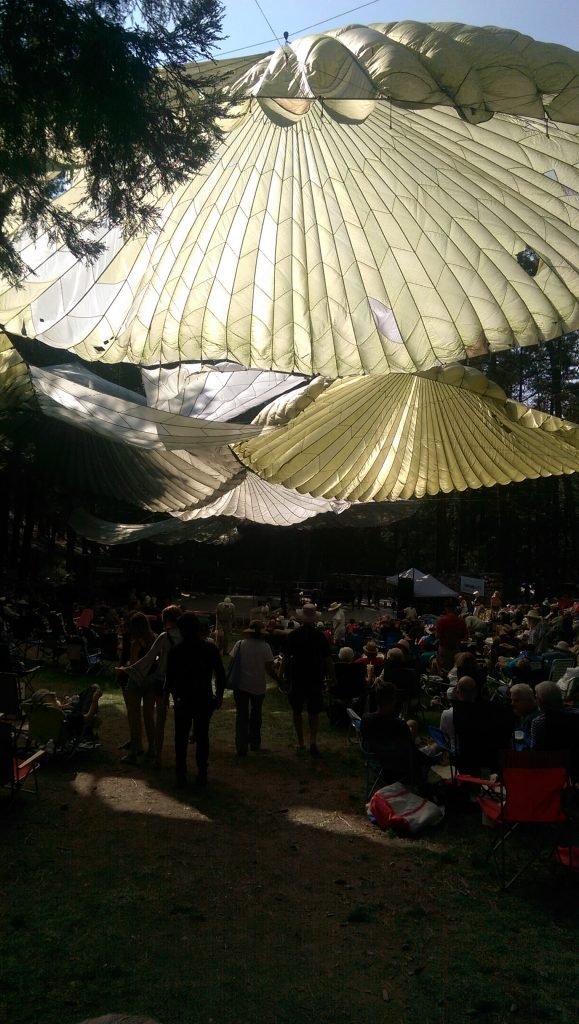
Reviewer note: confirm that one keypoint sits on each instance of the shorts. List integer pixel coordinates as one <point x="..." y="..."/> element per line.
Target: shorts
<point x="141" y="686"/>
<point x="312" y="700"/>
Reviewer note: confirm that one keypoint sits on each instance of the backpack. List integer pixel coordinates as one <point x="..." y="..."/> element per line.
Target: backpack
<point x="396" y="807"/>
<point x="233" y="673"/>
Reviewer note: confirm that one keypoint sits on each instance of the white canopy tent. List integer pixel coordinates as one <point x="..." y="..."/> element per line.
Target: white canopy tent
<point x="425" y="585"/>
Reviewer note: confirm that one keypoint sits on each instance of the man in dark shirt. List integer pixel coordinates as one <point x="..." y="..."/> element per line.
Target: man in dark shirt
<point x="309" y="662"/>
<point x="387" y="736"/>
<point x="190" y="669"/>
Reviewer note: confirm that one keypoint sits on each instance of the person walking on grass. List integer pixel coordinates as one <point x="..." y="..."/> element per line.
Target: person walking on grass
<point x="308" y="665"/>
<point x="191" y="667"/>
<point x="136" y="690"/>
<point x="224" y="623"/>
<point x="155" y="663"/>
<point x="255" y="660"/>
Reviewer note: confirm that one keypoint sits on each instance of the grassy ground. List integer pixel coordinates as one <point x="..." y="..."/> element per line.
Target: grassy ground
<point x="269" y="898"/>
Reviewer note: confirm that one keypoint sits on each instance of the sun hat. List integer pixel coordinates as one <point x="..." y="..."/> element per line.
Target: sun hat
<point x="308" y="613"/>
<point x="404" y="643"/>
<point x="371" y="647"/>
<point x="334" y="606"/>
<point x="562" y="646"/>
<point x="533" y="614"/>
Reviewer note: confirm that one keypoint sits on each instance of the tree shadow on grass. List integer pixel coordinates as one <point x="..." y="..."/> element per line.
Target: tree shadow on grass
<point x="267" y="898"/>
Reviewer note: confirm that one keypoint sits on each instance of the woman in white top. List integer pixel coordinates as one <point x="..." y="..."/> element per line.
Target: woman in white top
<point x="465" y="690"/>
<point x="255" y="659"/>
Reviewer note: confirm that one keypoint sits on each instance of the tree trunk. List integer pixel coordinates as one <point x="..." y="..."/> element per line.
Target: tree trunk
<point x="556" y="386"/>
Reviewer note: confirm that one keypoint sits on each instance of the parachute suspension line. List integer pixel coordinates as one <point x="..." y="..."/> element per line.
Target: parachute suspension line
<point x="268" y="22"/>
<point x="546" y="116"/>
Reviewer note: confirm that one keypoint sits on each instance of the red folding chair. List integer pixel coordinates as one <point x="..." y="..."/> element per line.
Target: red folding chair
<point x="15" y="771"/>
<point x="529" y="793"/>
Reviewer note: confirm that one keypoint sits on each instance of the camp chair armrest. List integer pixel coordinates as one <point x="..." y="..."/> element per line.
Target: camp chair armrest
<point x="488" y="783"/>
<point x="37" y="756"/>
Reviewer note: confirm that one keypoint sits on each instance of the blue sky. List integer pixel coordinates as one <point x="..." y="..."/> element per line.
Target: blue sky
<point x="554" y="21"/>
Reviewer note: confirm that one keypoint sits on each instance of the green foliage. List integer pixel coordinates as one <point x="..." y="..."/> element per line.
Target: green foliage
<point x="545" y="377"/>
<point x="103" y="86"/>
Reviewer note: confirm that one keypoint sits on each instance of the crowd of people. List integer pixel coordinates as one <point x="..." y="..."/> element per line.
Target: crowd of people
<point x="469" y="655"/>
<point x="390" y="670"/>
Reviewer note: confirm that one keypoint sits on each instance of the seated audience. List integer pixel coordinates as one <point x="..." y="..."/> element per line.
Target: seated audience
<point x="466" y="664"/>
<point x="538" y="630"/>
<point x="346" y="654"/>
<point x="381" y="730"/>
<point x="373" y="659"/>
<point x="559" y="650"/>
<point x="466" y="692"/>
<point x="80" y="709"/>
<point x="525" y="708"/>
<point x="395" y="671"/>
<point x="389" y="630"/>
<point x="556" y="728"/>
<point x="406" y="647"/>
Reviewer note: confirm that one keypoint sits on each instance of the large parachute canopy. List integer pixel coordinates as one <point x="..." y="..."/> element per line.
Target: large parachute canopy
<point x="385" y="198"/>
<point x="387" y="201"/>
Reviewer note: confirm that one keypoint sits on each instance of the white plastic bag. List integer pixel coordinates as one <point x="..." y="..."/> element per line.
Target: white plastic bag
<point x="396" y="807"/>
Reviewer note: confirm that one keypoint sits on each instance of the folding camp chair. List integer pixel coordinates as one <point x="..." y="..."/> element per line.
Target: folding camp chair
<point x="383" y="766"/>
<point x="47" y="727"/>
<point x="529" y="792"/>
<point x="6" y="657"/>
<point x="412" y="705"/>
<point x="11" y="697"/>
<point x="349" y="690"/>
<point x="558" y="668"/>
<point x="354" y="730"/>
<point x="387" y="764"/>
<point x="444" y="746"/>
<point x="51" y="727"/>
<point x="81" y="659"/>
<point x="10" y="662"/>
<point x="434" y="688"/>
<point x="16" y="770"/>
